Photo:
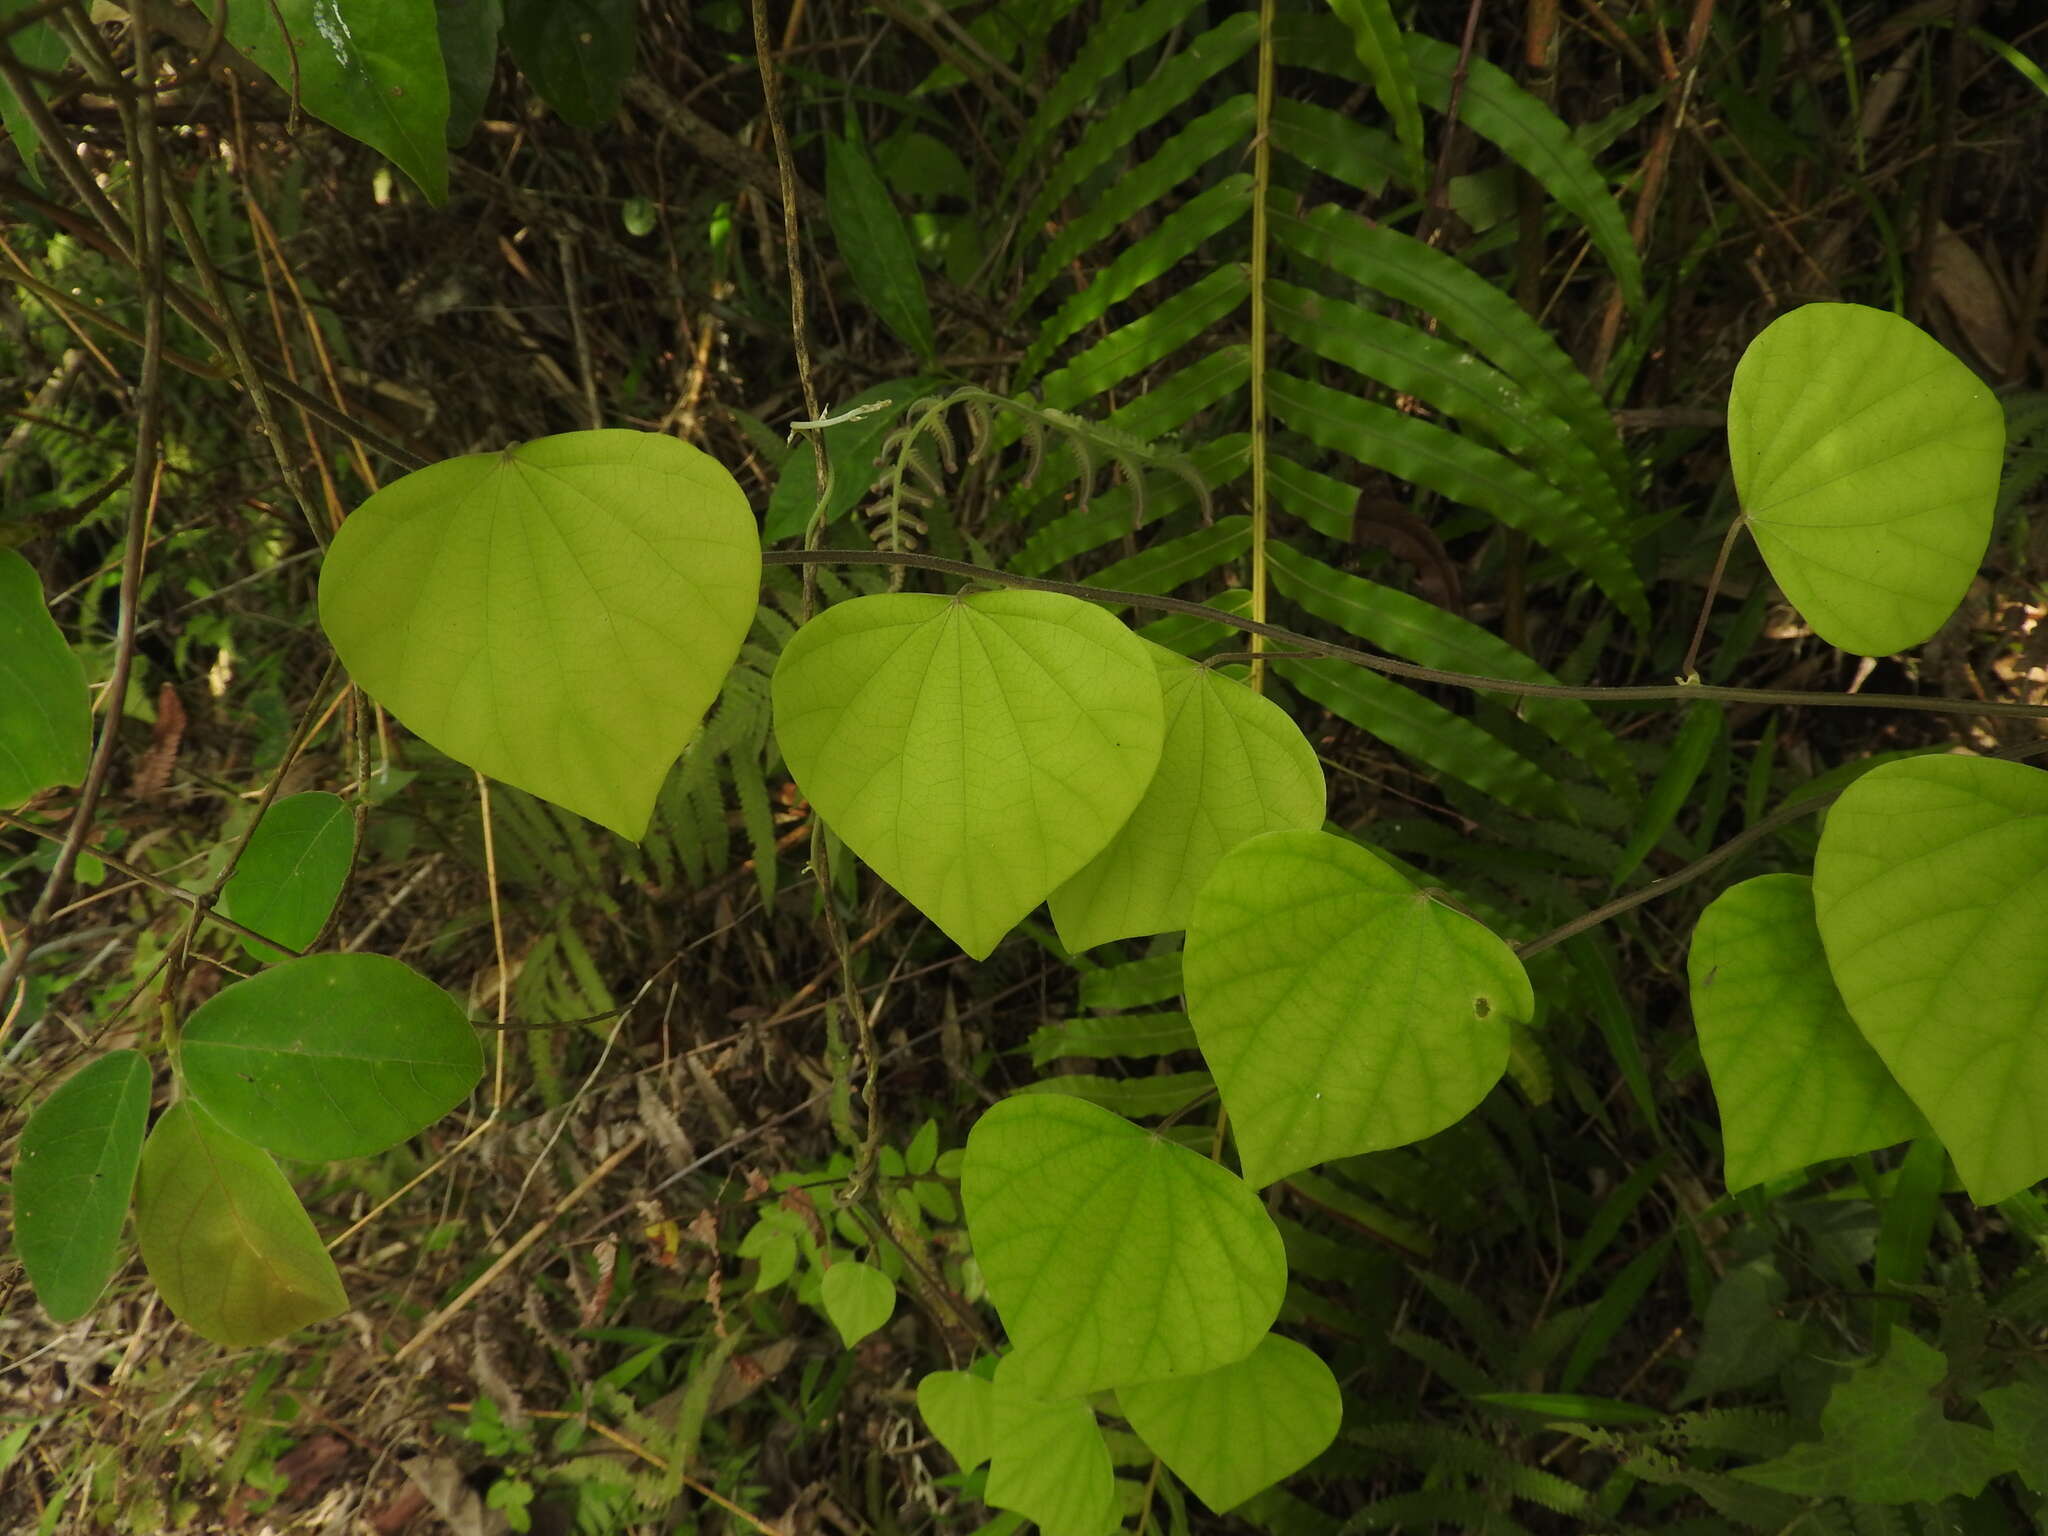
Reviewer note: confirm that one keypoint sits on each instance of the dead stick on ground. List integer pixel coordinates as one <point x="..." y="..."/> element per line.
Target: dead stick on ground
<point x="510" y="1256"/>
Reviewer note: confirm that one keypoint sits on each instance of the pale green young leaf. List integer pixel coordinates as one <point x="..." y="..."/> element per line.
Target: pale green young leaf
<point x="1885" y="1439"/>
<point x="958" y="1407"/>
<point x="330" y="1056"/>
<point x="1796" y="1082"/>
<point x="1929" y="889"/>
<point x="1341" y="1009"/>
<point x="974" y="751"/>
<point x="1086" y="1226"/>
<point x="45" y="711"/>
<point x="377" y="76"/>
<point x="1867" y="457"/>
<point x="850" y="451"/>
<point x="558" y="615"/>
<point x="875" y="244"/>
<point x="73" y="1175"/>
<point x="1242" y="1427"/>
<point x="575" y="53"/>
<point x="225" y="1238"/>
<point x="1049" y="1461"/>
<point x="1377" y="37"/>
<point x="1232" y="766"/>
<point x="288" y="878"/>
<point x="858" y="1298"/>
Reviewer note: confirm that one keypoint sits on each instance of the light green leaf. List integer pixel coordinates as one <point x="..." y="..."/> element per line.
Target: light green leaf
<point x="225" y="1238"/>
<point x="1795" y="1081"/>
<point x="330" y="1056"/>
<point x="1132" y="984"/>
<point x="469" y="51"/>
<point x="1233" y="766"/>
<point x="1867" y="457"/>
<point x="290" y="875"/>
<point x="1128" y="1034"/>
<point x="1137" y="1098"/>
<point x="2019" y="1420"/>
<point x="858" y="1298"/>
<point x="1113" y="1256"/>
<point x="875" y="244"/>
<point x="1050" y="1462"/>
<point x="558" y="615"/>
<point x="371" y="68"/>
<point x="1377" y="37"/>
<point x="773" y="1250"/>
<point x="45" y="711"/>
<point x="576" y="53"/>
<point x="959" y="1409"/>
<point x="850" y="450"/>
<point x="1242" y="1427"/>
<point x="1341" y="1009"/>
<point x="73" y="1176"/>
<point x="1929" y="888"/>
<point x="1885" y="1440"/>
<point x="975" y="751"/>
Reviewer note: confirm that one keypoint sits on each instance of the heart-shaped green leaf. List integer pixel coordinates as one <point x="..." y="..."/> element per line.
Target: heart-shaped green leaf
<point x="959" y="1409"/>
<point x="1341" y="1009"/>
<point x="1867" y="457"/>
<point x="330" y="1056"/>
<point x="45" y="712"/>
<point x="858" y="1298"/>
<point x="1795" y="1080"/>
<point x="372" y="68"/>
<point x="559" y="615"/>
<point x="1112" y="1255"/>
<point x="975" y="751"/>
<point x="73" y="1177"/>
<point x="1050" y="1462"/>
<point x="1240" y="1428"/>
<point x="1233" y="766"/>
<point x="225" y="1238"/>
<point x="1931" y="891"/>
<point x="287" y="879"/>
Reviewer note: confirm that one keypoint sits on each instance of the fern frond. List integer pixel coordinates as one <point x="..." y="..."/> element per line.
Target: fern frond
<point x="1108" y="47"/>
<point x="1435" y="1449"/>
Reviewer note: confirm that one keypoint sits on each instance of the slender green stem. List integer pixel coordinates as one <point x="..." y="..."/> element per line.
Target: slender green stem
<point x="1664" y="693"/>
<point x="1262" y="179"/>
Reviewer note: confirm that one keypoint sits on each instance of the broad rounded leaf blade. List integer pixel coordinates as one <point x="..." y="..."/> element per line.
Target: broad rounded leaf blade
<point x="1112" y="1255"/>
<point x="975" y="751"/>
<point x="1796" y="1082"/>
<point x="1341" y="1009"/>
<point x="288" y="878"/>
<point x="1931" y="891"/>
<point x="73" y="1176"/>
<point x="1241" y="1428"/>
<point x="1867" y="457"/>
<point x="330" y="1056"/>
<point x="958" y="1407"/>
<point x="45" y="711"/>
<point x="372" y="68"/>
<point x="858" y="1298"/>
<point x="559" y="615"/>
<point x="1232" y="766"/>
<point x="1050" y="1462"/>
<point x="225" y="1238"/>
